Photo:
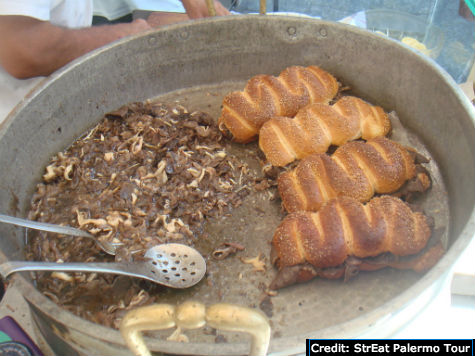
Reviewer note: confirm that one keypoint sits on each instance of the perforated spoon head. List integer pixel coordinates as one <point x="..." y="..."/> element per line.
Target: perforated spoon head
<point x="173" y="265"/>
<point x="176" y="265"/>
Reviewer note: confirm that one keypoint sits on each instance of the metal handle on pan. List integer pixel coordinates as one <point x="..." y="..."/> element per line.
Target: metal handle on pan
<point x="194" y="315"/>
<point x="262" y="7"/>
<point x="212" y="10"/>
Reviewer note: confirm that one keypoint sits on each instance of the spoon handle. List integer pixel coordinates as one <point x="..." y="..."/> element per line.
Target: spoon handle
<point x="127" y="269"/>
<point x="66" y="230"/>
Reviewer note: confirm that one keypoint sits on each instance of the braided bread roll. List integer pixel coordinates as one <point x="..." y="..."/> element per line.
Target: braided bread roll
<point x="265" y="96"/>
<point x="317" y="126"/>
<point x="344" y="227"/>
<point x="356" y="169"/>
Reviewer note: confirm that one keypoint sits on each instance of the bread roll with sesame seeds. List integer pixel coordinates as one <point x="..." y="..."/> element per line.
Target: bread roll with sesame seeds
<point x="265" y="96"/>
<point x="344" y="227"/>
<point x="317" y="126"/>
<point x="356" y="169"/>
<point x="345" y="237"/>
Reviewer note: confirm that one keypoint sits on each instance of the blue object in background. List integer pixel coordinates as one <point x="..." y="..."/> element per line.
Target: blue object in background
<point x="471" y="5"/>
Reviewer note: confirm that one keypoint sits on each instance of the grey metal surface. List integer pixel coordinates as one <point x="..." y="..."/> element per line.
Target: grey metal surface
<point x="230" y="50"/>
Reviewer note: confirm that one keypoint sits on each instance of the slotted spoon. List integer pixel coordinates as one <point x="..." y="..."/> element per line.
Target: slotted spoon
<point x="173" y="265"/>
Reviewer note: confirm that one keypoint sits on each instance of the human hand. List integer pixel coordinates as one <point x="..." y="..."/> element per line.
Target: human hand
<point x="197" y="8"/>
<point x="137" y="26"/>
<point x="158" y="19"/>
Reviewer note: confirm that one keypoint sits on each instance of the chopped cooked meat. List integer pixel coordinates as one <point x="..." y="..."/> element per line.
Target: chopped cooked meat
<point x="147" y="174"/>
<point x="226" y="249"/>
<point x="257" y="263"/>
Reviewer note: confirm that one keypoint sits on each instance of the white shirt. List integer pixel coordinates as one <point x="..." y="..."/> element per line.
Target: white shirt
<point x="114" y="9"/>
<point x="65" y="13"/>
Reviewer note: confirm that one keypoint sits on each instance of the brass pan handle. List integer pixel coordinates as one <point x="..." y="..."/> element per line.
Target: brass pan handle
<point x="211" y="8"/>
<point x="193" y="315"/>
<point x="262" y="7"/>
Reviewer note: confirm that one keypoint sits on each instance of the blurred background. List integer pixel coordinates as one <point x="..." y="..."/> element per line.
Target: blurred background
<point x="442" y="29"/>
<point x="446" y="27"/>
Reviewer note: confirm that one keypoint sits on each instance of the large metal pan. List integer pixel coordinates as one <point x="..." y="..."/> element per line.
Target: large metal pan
<point x="192" y="59"/>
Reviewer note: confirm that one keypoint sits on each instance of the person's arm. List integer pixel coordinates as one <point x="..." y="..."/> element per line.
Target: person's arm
<point x="30" y="47"/>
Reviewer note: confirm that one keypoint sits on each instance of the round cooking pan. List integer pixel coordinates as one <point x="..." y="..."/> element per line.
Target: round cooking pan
<point x="192" y="60"/>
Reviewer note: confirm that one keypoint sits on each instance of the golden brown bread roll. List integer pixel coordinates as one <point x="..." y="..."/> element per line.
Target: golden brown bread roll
<point x="356" y="169"/>
<point x="317" y="126"/>
<point x="345" y="237"/>
<point x="266" y="96"/>
<point x="344" y="227"/>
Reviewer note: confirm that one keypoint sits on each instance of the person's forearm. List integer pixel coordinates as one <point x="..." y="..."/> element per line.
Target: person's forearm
<point x="29" y="47"/>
